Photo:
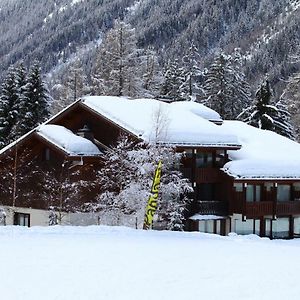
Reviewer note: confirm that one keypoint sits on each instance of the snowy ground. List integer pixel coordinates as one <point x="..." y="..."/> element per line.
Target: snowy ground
<point x="120" y="263"/>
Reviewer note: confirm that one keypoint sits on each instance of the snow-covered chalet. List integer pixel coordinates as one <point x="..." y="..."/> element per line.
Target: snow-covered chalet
<point x="245" y="180"/>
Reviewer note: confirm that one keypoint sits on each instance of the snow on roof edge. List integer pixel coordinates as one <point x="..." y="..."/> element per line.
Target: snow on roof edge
<point x="69" y="142"/>
<point x="129" y="129"/>
<point x="259" y="177"/>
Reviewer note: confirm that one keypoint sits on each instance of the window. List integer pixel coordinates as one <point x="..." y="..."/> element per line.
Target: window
<point x="238" y="187"/>
<point x="204" y="159"/>
<point x="244" y="227"/>
<point x="206" y="192"/>
<point x="297" y="226"/>
<point x="268" y="186"/>
<point x="249" y="226"/>
<point x="47" y="154"/>
<point x="253" y="193"/>
<point x="22" y="219"/>
<point x="188" y="153"/>
<point x="210" y="226"/>
<point x="281" y="228"/>
<point x="283" y="192"/>
<point x="296" y="186"/>
<point x="220" y="158"/>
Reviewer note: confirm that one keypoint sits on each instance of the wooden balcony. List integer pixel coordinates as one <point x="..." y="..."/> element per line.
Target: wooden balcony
<point x="207" y="175"/>
<point x="212" y="208"/>
<point x="288" y="208"/>
<point x="269" y="205"/>
<point x="259" y="209"/>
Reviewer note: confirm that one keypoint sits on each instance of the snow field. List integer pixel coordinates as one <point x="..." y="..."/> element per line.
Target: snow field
<point x="101" y="262"/>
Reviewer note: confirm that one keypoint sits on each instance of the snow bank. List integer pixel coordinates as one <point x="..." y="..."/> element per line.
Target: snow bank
<point x="67" y="140"/>
<point x="115" y="263"/>
<point x="177" y="123"/>
<point x="264" y="154"/>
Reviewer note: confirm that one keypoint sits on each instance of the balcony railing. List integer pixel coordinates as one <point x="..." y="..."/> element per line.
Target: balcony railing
<point x="264" y="208"/>
<point x="212" y="207"/>
<point x="259" y="209"/>
<point x="288" y="208"/>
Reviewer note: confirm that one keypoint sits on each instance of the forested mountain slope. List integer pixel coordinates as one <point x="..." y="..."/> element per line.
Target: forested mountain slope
<point x="51" y="30"/>
<point x="266" y="31"/>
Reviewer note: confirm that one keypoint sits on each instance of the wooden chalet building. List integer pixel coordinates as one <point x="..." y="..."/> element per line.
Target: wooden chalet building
<point x="245" y="180"/>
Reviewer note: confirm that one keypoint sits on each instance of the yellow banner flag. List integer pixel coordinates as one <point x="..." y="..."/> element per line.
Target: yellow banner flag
<point x="152" y="202"/>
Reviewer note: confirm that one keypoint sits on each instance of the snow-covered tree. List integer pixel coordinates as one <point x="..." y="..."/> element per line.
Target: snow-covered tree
<point x="73" y="85"/>
<point x="35" y="109"/>
<point x="21" y="101"/>
<point x="282" y="121"/>
<point x="62" y="190"/>
<point x="225" y="88"/>
<point x="116" y="68"/>
<point x="266" y="114"/>
<point x="53" y="218"/>
<point x="191" y="61"/>
<point x="291" y="96"/>
<point x="8" y="102"/>
<point x="126" y="179"/>
<point x="151" y="73"/>
<point x="76" y="83"/>
<point x="175" y="85"/>
<point x="262" y="113"/>
<point x="2" y="217"/>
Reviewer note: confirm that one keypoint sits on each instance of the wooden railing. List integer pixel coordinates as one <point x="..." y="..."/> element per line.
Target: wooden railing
<point x="267" y="207"/>
<point x="212" y="207"/>
<point x="207" y="175"/>
<point x="258" y="209"/>
<point x="288" y="208"/>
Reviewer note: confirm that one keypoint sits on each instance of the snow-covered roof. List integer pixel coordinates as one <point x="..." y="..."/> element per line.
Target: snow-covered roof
<point x="174" y="123"/>
<point x="264" y="154"/>
<point x="199" y="110"/>
<point x="66" y="140"/>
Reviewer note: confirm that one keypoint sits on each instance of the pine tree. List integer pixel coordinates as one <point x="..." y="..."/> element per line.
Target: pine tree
<point x="225" y="89"/>
<point x="35" y="109"/>
<point x="116" y="71"/>
<point x="174" y="86"/>
<point x="8" y="101"/>
<point x="282" y="122"/>
<point x="262" y="113"/>
<point x="21" y="81"/>
<point x="191" y="62"/>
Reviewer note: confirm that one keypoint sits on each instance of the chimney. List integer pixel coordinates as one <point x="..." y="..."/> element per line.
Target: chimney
<point x="86" y="133"/>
